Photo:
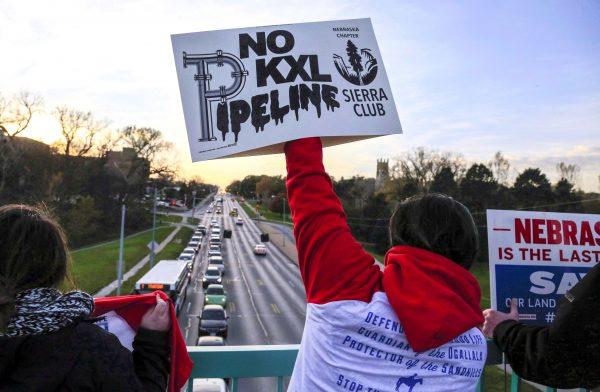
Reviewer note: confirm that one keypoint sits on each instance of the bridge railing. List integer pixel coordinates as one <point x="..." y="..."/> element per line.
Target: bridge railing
<point x="235" y="362"/>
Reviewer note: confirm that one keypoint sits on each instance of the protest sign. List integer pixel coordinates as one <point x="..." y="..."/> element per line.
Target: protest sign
<point x="537" y="257"/>
<point x="247" y="91"/>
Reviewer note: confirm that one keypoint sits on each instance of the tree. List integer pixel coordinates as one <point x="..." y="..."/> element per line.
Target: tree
<point x="420" y="166"/>
<point x="355" y="59"/>
<point x="478" y="187"/>
<point x="532" y="188"/>
<point x="78" y="130"/>
<point x="444" y="182"/>
<point x="16" y="114"/>
<point x="567" y="172"/>
<point x="500" y="168"/>
<point x="148" y="143"/>
<point x="15" y="117"/>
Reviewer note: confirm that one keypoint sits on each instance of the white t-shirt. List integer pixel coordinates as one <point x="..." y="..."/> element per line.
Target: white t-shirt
<point x="358" y="346"/>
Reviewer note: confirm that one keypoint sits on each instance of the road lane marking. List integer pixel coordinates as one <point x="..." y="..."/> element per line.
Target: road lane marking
<point x="291" y="283"/>
<point x="188" y="307"/>
<point x="232" y="307"/>
<point x="275" y="308"/>
<point x="235" y="251"/>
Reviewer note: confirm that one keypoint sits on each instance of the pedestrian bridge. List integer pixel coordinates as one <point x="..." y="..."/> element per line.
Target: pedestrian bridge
<point x="235" y="362"/>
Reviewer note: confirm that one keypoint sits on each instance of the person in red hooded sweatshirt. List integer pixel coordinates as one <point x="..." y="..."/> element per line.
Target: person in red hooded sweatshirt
<point x="412" y="326"/>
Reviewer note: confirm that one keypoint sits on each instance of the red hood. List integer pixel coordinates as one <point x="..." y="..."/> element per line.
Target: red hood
<point x="435" y="299"/>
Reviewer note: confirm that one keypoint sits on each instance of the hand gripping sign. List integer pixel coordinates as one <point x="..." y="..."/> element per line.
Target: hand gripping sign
<point x="248" y="91"/>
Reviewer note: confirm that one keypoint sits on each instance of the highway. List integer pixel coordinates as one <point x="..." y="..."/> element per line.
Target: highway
<point x="267" y="303"/>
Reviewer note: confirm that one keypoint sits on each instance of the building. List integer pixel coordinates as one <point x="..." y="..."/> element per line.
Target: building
<point x="383" y="173"/>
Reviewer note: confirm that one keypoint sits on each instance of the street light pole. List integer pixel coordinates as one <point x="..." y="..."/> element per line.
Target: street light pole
<point x="153" y="229"/>
<point x="120" y="265"/>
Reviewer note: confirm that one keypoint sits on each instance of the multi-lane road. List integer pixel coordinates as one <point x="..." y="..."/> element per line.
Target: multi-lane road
<point x="266" y="299"/>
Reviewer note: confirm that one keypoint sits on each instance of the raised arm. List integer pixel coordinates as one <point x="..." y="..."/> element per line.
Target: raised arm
<point x="333" y="264"/>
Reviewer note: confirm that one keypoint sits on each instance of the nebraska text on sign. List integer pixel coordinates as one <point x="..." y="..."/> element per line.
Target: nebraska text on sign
<point x="246" y="91"/>
<point x="537" y="257"/>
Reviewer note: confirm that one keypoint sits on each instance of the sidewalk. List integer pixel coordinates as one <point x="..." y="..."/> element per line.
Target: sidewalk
<point x="107" y="290"/>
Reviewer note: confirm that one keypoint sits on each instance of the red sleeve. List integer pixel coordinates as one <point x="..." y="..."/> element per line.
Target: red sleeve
<point x="333" y="265"/>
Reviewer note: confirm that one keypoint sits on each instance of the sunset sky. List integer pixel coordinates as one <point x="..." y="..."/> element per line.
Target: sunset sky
<point x="470" y="77"/>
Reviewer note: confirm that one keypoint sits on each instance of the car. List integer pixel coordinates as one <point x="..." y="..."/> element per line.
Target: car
<point x="214" y="247"/>
<point x="215" y="240"/>
<point x="214" y="222"/>
<point x="189" y="250"/>
<point x="194" y="244"/>
<point x="211" y="341"/>
<point x="233" y="212"/>
<point x="209" y="210"/>
<point x="188" y="258"/>
<point x="212" y="276"/>
<point x="213" y="321"/>
<point x="219" y="211"/>
<point x="201" y="229"/>
<point x="209" y="385"/>
<point x="215" y="294"/>
<point x="239" y="221"/>
<point x="217" y="261"/>
<point x="215" y="231"/>
<point x="197" y="237"/>
<point x="214" y="252"/>
<point x="260" y="249"/>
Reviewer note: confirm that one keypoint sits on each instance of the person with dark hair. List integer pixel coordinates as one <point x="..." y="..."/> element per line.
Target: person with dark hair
<point x="48" y="342"/>
<point x="413" y="323"/>
<point x="564" y="354"/>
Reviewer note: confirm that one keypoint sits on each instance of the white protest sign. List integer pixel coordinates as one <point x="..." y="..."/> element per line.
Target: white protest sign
<point x="247" y="91"/>
<point x="537" y="257"/>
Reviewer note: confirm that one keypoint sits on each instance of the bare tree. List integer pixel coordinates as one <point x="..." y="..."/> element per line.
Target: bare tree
<point x="500" y="168"/>
<point x="107" y="141"/>
<point x="567" y="172"/>
<point x="16" y="113"/>
<point x="421" y="165"/>
<point x="78" y="131"/>
<point x="148" y="143"/>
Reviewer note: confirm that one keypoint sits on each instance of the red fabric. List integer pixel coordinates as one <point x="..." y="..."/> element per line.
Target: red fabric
<point x="332" y="263"/>
<point x="434" y="298"/>
<point x="132" y="308"/>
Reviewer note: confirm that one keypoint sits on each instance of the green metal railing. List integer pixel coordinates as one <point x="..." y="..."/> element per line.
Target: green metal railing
<point x="235" y="362"/>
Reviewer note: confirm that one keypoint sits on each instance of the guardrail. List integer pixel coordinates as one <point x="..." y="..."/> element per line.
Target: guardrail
<point x="235" y="362"/>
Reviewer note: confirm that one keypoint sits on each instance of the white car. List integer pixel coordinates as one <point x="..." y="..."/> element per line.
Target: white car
<point x="217" y="261"/>
<point x="239" y="221"/>
<point x="196" y="237"/>
<point x="260" y="249"/>
<point x="209" y="385"/>
<point x="190" y="250"/>
<point x="214" y="252"/>
<point x="194" y="244"/>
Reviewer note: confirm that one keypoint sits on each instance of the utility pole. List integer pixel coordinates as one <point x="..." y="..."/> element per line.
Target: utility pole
<point x="120" y="265"/>
<point x="153" y="229"/>
<point x="193" y="203"/>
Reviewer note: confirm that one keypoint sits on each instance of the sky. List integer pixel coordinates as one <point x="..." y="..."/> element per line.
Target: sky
<point x="472" y="77"/>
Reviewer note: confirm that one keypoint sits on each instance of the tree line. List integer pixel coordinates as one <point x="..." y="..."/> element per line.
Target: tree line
<point x="480" y="186"/>
<point x="89" y="171"/>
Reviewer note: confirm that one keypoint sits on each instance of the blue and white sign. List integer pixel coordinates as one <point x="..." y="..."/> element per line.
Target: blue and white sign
<point x="536" y="257"/>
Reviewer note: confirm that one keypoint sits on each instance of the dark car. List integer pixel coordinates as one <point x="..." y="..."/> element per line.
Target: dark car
<point x="201" y="229"/>
<point x="212" y="276"/>
<point x="213" y="321"/>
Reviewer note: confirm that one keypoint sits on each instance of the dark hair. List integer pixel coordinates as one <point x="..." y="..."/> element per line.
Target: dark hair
<point x="33" y="253"/>
<point x="437" y="223"/>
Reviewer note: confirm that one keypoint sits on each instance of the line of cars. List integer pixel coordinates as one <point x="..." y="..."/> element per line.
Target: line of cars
<point x="213" y="322"/>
